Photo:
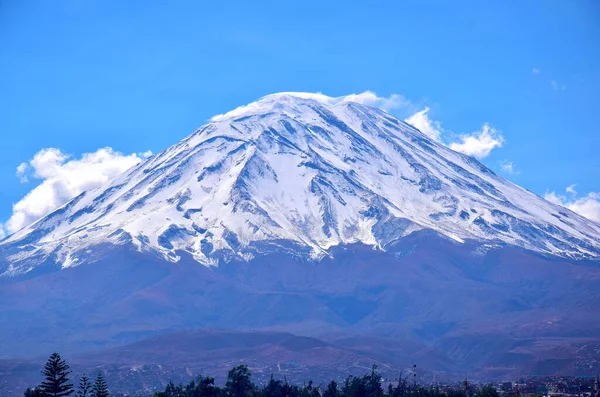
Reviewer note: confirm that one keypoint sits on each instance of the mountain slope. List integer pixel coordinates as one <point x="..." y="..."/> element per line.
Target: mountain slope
<point x="325" y="218"/>
<point x="295" y="173"/>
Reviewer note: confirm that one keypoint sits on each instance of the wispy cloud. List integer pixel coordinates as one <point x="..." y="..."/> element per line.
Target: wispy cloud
<point x="509" y="167"/>
<point x="423" y="123"/>
<point x="535" y="71"/>
<point x="370" y="98"/>
<point x="588" y="205"/>
<point x="480" y="143"/>
<point x="21" y="172"/>
<point x="63" y="177"/>
<point x="571" y="189"/>
<point x="394" y="101"/>
<point x="557" y="87"/>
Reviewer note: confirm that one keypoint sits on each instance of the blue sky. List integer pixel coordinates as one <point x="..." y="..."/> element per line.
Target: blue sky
<point x="80" y="75"/>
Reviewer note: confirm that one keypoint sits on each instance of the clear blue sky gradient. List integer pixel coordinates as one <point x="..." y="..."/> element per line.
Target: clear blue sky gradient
<point x="138" y="75"/>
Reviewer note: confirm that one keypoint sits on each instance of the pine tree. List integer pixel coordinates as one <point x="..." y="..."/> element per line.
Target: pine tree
<point x="85" y="387"/>
<point x="56" y="373"/>
<point x="100" y="389"/>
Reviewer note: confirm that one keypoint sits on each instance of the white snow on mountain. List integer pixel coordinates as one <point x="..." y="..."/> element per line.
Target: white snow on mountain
<point x="301" y="173"/>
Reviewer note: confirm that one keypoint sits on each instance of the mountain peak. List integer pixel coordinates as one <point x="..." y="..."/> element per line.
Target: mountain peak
<point x="301" y="173"/>
<point x="286" y="102"/>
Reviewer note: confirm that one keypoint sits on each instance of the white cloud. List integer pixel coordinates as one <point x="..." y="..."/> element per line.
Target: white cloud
<point x="588" y="205"/>
<point x="480" y="143"/>
<point x="535" y="71"/>
<point x="2" y="232"/>
<point x="423" y="123"/>
<point x="62" y="178"/>
<point x="509" y="167"/>
<point x="394" y="101"/>
<point x="21" y="170"/>
<point x="554" y="198"/>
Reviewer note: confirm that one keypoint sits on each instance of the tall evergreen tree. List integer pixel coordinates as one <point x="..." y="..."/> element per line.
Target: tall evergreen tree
<point x="56" y="378"/>
<point x="100" y="389"/>
<point x="85" y="387"/>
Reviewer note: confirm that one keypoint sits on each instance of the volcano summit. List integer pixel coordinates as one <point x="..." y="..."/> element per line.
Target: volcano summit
<point x="298" y="173"/>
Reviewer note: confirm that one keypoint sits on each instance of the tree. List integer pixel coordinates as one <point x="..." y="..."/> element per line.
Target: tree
<point x="332" y="390"/>
<point x="35" y="392"/>
<point x="85" y="387"/>
<point x="309" y="390"/>
<point x="402" y="389"/>
<point x="273" y="388"/>
<point x="205" y="387"/>
<point x="238" y="382"/>
<point x="487" y="391"/>
<point x="373" y="383"/>
<point x="173" y="390"/>
<point x="56" y="373"/>
<point x="100" y="389"/>
<point x="456" y="393"/>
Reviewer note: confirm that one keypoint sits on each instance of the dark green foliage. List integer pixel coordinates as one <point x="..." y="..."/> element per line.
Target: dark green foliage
<point x="203" y="387"/>
<point x="239" y="383"/>
<point x="273" y="388"/>
<point x="402" y="389"/>
<point x="420" y="391"/>
<point x="172" y="391"/>
<point x="100" y="389"/>
<point x="85" y="387"/>
<point x="373" y="383"/>
<point x="309" y="390"/>
<point x="487" y="391"/>
<point x="56" y="378"/>
<point x="35" y="392"/>
<point x="331" y="390"/>
<point x="455" y="393"/>
<point x="365" y="386"/>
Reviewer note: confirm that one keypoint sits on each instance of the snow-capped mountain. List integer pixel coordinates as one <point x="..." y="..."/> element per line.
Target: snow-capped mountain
<point x="300" y="173"/>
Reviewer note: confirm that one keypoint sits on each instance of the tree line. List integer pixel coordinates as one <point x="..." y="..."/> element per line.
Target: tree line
<point x="239" y="384"/>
